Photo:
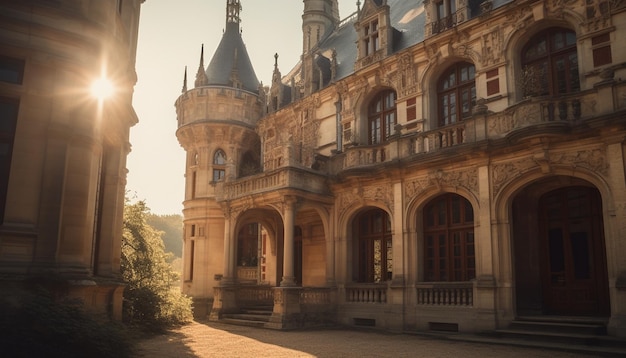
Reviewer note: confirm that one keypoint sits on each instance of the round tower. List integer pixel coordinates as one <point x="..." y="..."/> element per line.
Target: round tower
<point x="319" y="18"/>
<point x="216" y="127"/>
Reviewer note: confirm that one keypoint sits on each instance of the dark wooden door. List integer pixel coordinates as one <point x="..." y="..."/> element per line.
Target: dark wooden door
<point x="573" y="259"/>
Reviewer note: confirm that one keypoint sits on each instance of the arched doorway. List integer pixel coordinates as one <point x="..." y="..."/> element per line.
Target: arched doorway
<point x="560" y="258"/>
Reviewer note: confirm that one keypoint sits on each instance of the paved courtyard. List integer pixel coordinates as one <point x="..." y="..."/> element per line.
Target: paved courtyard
<point x="208" y="339"/>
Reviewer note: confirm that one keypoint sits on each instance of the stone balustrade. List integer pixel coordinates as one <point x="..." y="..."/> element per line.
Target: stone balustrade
<point x="366" y="294"/>
<point x="446" y="294"/>
<point x="412" y="145"/>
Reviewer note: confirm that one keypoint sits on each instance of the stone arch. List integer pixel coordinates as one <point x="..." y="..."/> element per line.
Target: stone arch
<point x="344" y="258"/>
<point x="415" y="227"/>
<point x="503" y="214"/>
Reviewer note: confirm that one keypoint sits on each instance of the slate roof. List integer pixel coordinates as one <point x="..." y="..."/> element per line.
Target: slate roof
<point x="221" y="66"/>
<point x="408" y="18"/>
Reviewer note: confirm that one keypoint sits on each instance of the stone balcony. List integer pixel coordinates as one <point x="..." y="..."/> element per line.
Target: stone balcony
<point x="530" y="117"/>
<point x="286" y="177"/>
<point x="534" y="116"/>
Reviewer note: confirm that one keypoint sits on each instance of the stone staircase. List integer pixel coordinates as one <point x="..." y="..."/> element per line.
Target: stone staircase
<point x="256" y="316"/>
<point x="581" y="334"/>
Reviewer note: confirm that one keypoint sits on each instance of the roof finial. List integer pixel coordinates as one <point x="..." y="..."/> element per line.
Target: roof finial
<point x="201" y="78"/>
<point x="185" y="81"/>
<point x="233" y="8"/>
<point x="358" y="5"/>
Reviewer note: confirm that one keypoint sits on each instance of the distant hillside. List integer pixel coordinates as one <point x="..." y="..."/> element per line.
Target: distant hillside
<point x="172" y="226"/>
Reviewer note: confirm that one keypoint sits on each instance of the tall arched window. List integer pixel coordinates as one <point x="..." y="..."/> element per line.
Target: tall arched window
<point x="550" y="64"/>
<point x="456" y="93"/>
<point x="219" y="165"/>
<point x="372" y="234"/>
<point x="381" y="116"/>
<point x="449" y="239"/>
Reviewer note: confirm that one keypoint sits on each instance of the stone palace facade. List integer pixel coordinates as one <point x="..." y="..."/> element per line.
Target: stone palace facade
<point x="428" y="165"/>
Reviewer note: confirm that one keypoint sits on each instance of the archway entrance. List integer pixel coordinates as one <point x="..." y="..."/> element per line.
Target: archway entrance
<point x="560" y="259"/>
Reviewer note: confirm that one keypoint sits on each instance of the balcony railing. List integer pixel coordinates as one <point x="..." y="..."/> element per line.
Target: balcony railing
<point x="282" y="178"/>
<point x="411" y="144"/>
<point x="366" y="294"/>
<point x="459" y="294"/>
<point x="445" y="23"/>
<point x="254" y="295"/>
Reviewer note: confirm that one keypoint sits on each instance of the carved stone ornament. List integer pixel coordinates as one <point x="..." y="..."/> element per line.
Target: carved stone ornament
<point x="593" y="160"/>
<point x="382" y="194"/>
<point x="467" y="179"/>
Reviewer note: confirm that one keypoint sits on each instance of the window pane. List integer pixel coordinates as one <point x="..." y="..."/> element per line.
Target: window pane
<point x="11" y="70"/>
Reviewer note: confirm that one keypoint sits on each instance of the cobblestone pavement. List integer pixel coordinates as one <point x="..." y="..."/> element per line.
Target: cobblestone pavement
<point x="208" y="339"/>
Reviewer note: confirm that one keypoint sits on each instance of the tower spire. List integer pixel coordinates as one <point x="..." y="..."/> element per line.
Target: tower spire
<point x="185" y="81"/>
<point x="233" y="8"/>
<point x="201" y="79"/>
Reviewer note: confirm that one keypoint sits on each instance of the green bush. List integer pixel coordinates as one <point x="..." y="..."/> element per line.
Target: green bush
<point x="34" y="324"/>
<point x="149" y="298"/>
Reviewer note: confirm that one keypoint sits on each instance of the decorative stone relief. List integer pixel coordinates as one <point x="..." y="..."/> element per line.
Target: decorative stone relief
<point x="492" y="48"/>
<point x="592" y="159"/>
<point x="382" y="194"/>
<point x="278" y="297"/>
<point x="467" y="179"/>
<point x="407" y="84"/>
<point x="504" y="172"/>
<point x="520" y="18"/>
<point x="598" y="14"/>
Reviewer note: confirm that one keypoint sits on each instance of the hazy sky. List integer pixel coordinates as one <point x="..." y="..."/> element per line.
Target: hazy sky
<point x="171" y="33"/>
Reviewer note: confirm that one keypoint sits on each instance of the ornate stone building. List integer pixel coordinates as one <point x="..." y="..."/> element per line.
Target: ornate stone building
<point x="62" y="151"/>
<point x="447" y="165"/>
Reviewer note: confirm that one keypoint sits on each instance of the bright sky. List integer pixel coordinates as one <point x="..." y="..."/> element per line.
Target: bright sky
<point x="171" y="33"/>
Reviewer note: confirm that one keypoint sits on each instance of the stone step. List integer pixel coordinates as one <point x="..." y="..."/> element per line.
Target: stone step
<point x="243" y="322"/>
<point x="248" y="317"/>
<point x="589" y="328"/>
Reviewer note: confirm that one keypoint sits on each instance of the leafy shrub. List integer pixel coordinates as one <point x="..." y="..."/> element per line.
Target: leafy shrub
<point x="149" y="298"/>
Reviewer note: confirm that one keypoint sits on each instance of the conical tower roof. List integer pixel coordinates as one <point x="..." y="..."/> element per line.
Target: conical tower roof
<point x="230" y="65"/>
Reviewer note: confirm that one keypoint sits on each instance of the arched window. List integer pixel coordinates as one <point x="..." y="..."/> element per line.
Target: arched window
<point x="219" y="165"/>
<point x="372" y="234"/>
<point x="381" y="116"/>
<point x="550" y="64"/>
<point x="449" y="239"/>
<point x="456" y="93"/>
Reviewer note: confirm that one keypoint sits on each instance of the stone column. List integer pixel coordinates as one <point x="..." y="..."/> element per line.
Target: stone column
<point x="615" y="231"/>
<point x="228" y="278"/>
<point x="289" y="279"/>
<point x="330" y="254"/>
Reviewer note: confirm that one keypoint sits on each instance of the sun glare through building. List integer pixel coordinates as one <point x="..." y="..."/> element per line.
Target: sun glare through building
<point x="102" y="88"/>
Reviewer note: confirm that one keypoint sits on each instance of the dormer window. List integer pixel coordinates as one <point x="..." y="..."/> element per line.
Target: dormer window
<point x="371" y="39"/>
<point x="445" y="12"/>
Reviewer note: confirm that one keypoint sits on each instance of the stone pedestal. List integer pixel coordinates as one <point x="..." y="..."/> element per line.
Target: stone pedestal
<point x="287" y="313"/>
<point x="224" y="301"/>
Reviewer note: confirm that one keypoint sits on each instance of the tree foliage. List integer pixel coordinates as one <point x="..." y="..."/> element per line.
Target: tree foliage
<point x="150" y="299"/>
<point x="172" y="228"/>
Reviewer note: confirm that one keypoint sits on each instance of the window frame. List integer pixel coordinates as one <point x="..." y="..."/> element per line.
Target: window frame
<point x="449" y="245"/>
<point x="379" y="125"/>
<point x="8" y="127"/>
<point x="12" y="70"/>
<point x="366" y="236"/>
<point x="219" y="165"/>
<point x="371" y="37"/>
<point x="542" y="69"/>
<point x="456" y="91"/>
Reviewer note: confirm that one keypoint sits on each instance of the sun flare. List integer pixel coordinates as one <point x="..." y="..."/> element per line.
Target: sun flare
<point x="102" y="88"/>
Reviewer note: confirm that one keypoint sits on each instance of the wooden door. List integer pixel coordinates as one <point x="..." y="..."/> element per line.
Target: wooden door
<point x="574" y="277"/>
